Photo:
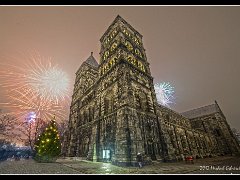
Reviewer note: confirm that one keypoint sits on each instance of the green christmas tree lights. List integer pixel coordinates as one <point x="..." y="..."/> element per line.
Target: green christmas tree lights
<point x="48" y="145"/>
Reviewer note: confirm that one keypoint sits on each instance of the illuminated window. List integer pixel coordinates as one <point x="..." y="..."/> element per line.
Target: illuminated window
<point x="134" y="61"/>
<point x="128" y="45"/>
<point x="114" y="60"/>
<point x="113" y="47"/>
<point x="140" y="64"/>
<point x="130" y="58"/>
<point x="137" y="51"/>
<point x="114" y="33"/>
<point x="106" y="54"/>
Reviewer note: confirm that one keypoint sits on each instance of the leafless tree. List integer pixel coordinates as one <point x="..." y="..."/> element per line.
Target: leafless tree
<point x="7" y="125"/>
<point x="30" y="131"/>
<point x="62" y="127"/>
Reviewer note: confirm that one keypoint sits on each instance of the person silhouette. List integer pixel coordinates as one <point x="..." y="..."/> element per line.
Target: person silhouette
<point x="139" y="160"/>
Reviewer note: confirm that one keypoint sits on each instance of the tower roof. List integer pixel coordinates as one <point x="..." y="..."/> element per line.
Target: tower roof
<point x="92" y="61"/>
<point x="117" y="19"/>
<point x="202" y="111"/>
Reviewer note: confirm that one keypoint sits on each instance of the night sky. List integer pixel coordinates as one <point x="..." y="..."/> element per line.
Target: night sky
<point x="196" y="49"/>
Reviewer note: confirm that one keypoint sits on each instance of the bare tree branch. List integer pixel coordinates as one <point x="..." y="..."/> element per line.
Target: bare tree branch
<point x="7" y="125"/>
<point x="31" y="130"/>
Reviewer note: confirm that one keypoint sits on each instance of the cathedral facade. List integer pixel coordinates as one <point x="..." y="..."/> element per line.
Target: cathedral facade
<point x="114" y="112"/>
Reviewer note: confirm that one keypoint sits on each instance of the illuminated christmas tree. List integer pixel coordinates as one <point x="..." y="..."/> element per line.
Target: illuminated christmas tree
<point x="48" y="145"/>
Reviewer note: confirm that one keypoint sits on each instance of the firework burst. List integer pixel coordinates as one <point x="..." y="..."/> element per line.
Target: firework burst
<point x="165" y="93"/>
<point x="35" y="87"/>
<point x="39" y="76"/>
<point x="49" y="82"/>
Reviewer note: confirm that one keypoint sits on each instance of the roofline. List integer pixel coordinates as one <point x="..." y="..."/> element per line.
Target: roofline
<point x="175" y="112"/>
<point x="197" y="108"/>
<point x="220" y="110"/>
<point x="115" y="20"/>
<point x="84" y="63"/>
<point x="91" y="65"/>
<point x="201" y="116"/>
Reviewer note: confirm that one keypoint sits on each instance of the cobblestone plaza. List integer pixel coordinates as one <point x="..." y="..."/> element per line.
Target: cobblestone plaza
<point x="218" y="165"/>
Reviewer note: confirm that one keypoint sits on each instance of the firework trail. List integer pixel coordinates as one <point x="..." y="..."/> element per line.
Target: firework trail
<point x="23" y="103"/>
<point x="39" y="76"/>
<point x="165" y="93"/>
<point x="36" y="86"/>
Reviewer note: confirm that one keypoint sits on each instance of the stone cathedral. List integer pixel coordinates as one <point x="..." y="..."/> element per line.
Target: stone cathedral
<point x="114" y="112"/>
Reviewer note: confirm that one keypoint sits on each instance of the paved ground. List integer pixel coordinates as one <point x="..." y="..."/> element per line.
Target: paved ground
<point x="218" y="165"/>
<point x="31" y="167"/>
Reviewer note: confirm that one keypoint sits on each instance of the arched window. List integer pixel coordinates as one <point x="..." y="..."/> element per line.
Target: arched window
<point x="91" y="114"/>
<point x="85" y="117"/>
<point x="143" y="101"/>
<point x="217" y="132"/>
<point x="109" y="102"/>
<point x="106" y="105"/>
<point x="138" y="102"/>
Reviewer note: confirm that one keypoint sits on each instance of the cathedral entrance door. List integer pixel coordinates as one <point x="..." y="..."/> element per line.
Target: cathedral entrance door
<point x="151" y="149"/>
<point x="106" y="155"/>
<point x="153" y="155"/>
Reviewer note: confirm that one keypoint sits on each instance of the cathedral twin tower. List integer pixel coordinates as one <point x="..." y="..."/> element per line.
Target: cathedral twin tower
<point x="114" y="112"/>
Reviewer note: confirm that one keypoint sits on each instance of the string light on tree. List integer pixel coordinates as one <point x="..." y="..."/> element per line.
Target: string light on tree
<point x="48" y="147"/>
